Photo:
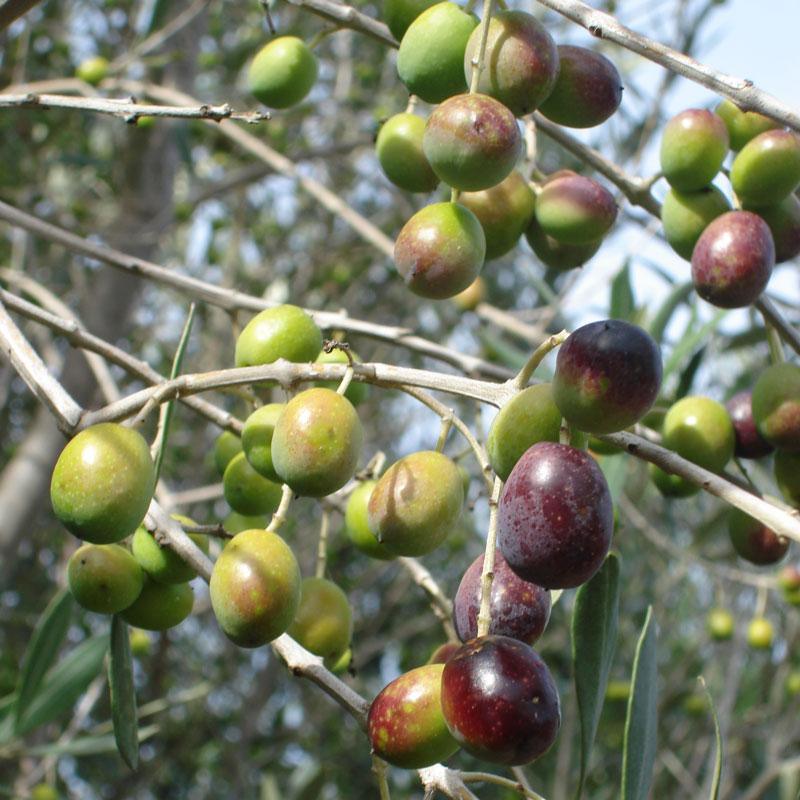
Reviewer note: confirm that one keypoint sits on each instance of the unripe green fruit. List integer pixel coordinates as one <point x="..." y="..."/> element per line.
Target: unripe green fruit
<point x="529" y="417"/>
<point x="163" y="564"/>
<point x="787" y="475"/>
<point x="282" y="332"/>
<point x="255" y="588"/>
<point x="226" y="447"/>
<point x="236" y="523"/>
<point x="759" y="633"/>
<point x="323" y="623"/>
<point x="405" y="724"/>
<point x="317" y="442"/>
<point x="92" y="70"/>
<point x="504" y="212"/>
<point x="700" y="430"/>
<point x="342" y="664"/>
<point x="44" y="791"/>
<point x="104" y="577"/>
<point x="471" y="297"/>
<point x="742" y="125"/>
<point x="575" y="210"/>
<point x="472" y="142"/>
<point x="720" y="624"/>
<point x="160" y="605"/>
<point x="356" y="523"/>
<point x="776" y="406"/>
<point x="283" y="72"/>
<point x="399" y="14"/>
<point x="767" y="169"/>
<point x="685" y="215"/>
<point x="357" y="391"/>
<point x="399" y="151"/>
<point x="793" y="682"/>
<point x="693" y="146"/>
<point x="248" y="492"/>
<point x="102" y="483"/>
<point x="430" y="61"/>
<point x="139" y="642"/>
<point x="416" y="503"/>
<point x="587" y="91"/>
<point x="671" y="485"/>
<point x="618" y="691"/>
<point x="521" y="61"/>
<point x="440" y="250"/>
<point x="257" y="439"/>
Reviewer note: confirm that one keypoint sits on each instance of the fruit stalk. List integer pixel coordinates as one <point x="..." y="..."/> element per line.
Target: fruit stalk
<point x="322" y="544"/>
<point x="477" y="61"/>
<point x="538" y="355"/>
<point x="279" y="517"/>
<point x="379" y="771"/>
<point x="487" y="574"/>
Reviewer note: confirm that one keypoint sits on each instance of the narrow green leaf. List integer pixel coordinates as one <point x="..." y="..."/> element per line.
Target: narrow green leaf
<point x="65" y="683"/>
<point x="615" y="470"/>
<point x="641" y="723"/>
<point x="123" y="694"/>
<point x="715" y="784"/>
<point x="87" y="745"/>
<point x="689" y="343"/>
<point x="594" y="636"/>
<point x="688" y="374"/>
<point x="676" y="298"/>
<point x="42" y="651"/>
<point x="623" y="304"/>
<point x="166" y="409"/>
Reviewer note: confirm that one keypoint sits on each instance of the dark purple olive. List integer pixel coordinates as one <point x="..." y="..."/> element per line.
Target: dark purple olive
<point x="518" y="609"/>
<point x="733" y="259"/>
<point x="499" y="700"/>
<point x="749" y="442"/>
<point x="753" y="540"/>
<point x="555" y="516"/>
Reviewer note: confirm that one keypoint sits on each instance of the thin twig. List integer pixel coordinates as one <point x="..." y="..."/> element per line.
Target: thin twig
<point x="487" y="571"/>
<point x="32" y="370"/>
<point x="348" y="17"/>
<point x="128" y="109"/>
<point x="440" y="604"/>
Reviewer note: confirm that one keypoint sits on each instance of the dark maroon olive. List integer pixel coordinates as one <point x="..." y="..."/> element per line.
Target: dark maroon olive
<point x="753" y="540"/>
<point x="499" y="700"/>
<point x="518" y="609"/>
<point x="588" y="89"/>
<point x="555" y="516"/>
<point x="607" y="377"/>
<point x="749" y="442"/>
<point x="733" y="259"/>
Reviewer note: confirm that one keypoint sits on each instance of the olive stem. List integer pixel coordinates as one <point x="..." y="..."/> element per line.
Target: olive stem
<point x="487" y="573"/>
<point x="498" y="780"/>
<point x="776" y="354"/>
<point x="379" y="770"/>
<point x="447" y="424"/>
<point x="761" y="602"/>
<point x="217" y="529"/>
<point x="279" y="517"/>
<point x="454" y="195"/>
<point x="538" y="355"/>
<point x="346" y="378"/>
<point x="578" y="439"/>
<point x="479" y="58"/>
<point x="322" y="545"/>
<point x="440" y="604"/>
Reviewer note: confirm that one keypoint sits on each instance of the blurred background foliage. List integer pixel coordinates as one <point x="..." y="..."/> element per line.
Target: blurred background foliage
<point x="230" y="722"/>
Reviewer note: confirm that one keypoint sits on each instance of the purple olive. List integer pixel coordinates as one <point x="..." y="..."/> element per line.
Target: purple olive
<point x="733" y="259"/>
<point x="749" y="442"/>
<point x="555" y="516"/>
<point x="517" y="608"/>
<point x="500" y="701"/>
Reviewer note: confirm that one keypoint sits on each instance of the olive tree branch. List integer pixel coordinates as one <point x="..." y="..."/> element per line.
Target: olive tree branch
<point x="348" y="17"/>
<point x="440" y="604"/>
<point x="128" y="108"/>
<point x="487" y="570"/>
<point x="507" y="783"/>
<point x="232" y="300"/>
<point x="32" y="370"/>
<point x="14" y="9"/>
<point x="636" y="190"/>
<point x="742" y="91"/>
<point x="782" y="522"/>
<point x="773" y="316"/>
<point x="80" y="338"/>
<point x="50" y="302"/>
